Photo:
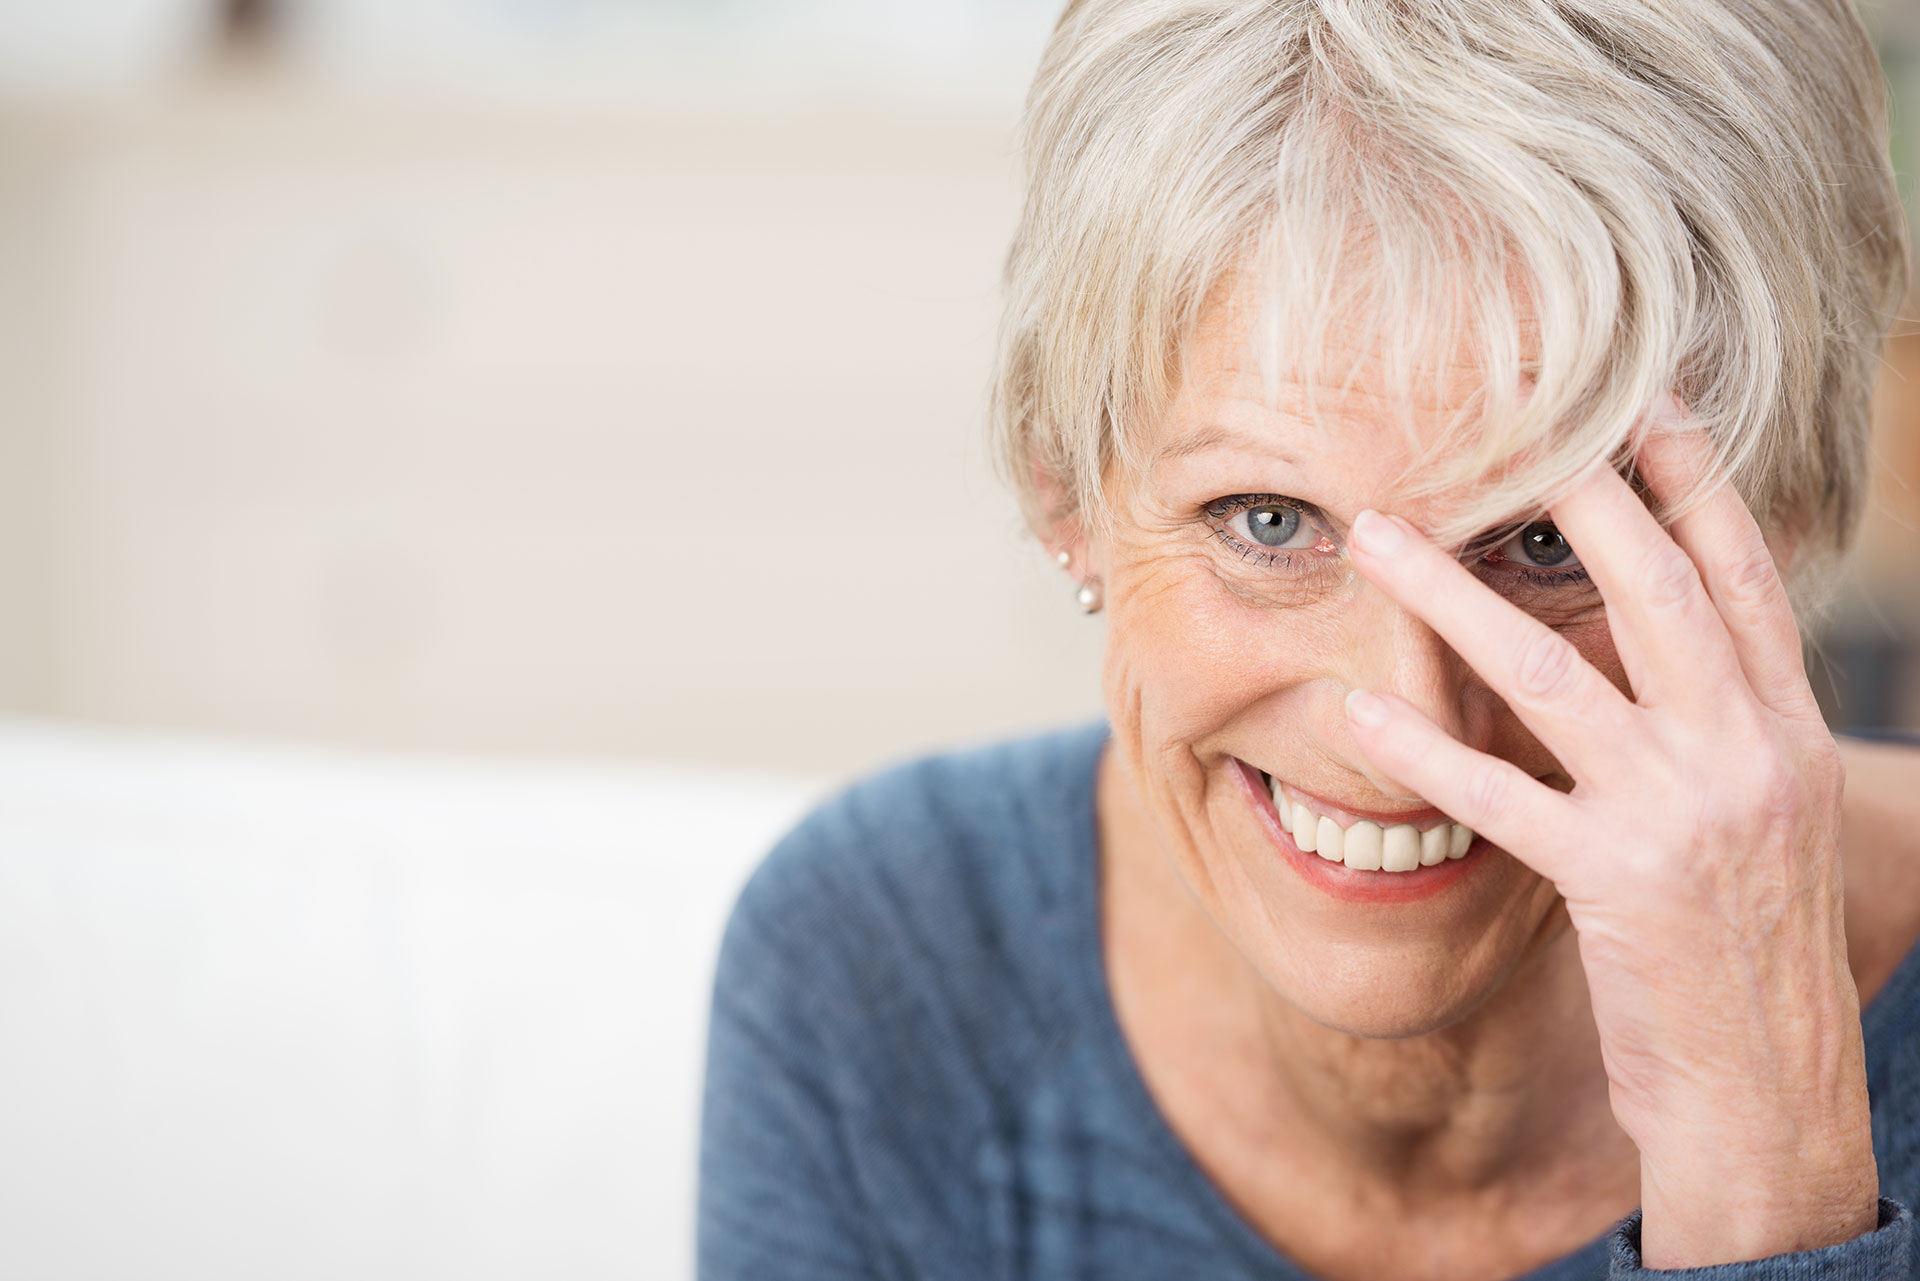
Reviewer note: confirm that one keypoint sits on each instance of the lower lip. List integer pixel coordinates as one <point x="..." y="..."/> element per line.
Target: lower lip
<point x="1341" y="881"/>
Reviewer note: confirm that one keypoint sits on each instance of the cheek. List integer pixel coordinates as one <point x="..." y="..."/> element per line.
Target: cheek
<point x="1185" y="655"/>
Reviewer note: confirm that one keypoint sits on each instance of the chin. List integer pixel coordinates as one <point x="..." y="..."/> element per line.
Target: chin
<point x="1389" y="971"/>
<point x="1373" y="994"/>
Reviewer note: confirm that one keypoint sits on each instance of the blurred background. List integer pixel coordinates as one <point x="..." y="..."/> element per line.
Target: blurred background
<point x="583" y="377"/>
<point x="591" y="377"/>
<point x="471" y="471"/>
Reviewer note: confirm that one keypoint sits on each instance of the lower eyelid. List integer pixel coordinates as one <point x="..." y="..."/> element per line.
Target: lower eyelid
<point x="1567" y="578"/>
<point x="1269" y="556"/>
<point x="1243" y="549"/>
<point x="1541" y="577"/>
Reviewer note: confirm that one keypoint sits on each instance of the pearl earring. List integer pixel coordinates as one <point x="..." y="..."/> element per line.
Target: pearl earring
<point x="1089" y="593"/>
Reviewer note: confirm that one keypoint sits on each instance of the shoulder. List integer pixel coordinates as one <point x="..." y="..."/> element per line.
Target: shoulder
<point x="888" y="978"/>
<point x="926" y="904"/>
<point x="898" y="844"/>
<point x="1880" y="845"/>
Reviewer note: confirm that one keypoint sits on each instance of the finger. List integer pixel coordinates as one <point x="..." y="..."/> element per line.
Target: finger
<point x="1570" y="707"/>
<point x="1495" y="798"/>
<point x="1736" y="565"/>
<point x="1671" y="638"/>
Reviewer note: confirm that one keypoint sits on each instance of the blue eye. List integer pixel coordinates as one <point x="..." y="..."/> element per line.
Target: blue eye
<point x="1271" y="526"/>
<point x="1542" y="546"/>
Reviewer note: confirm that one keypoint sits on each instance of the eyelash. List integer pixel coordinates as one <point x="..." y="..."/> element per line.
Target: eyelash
<point x="1225" y="509"/>
<point x="1539" y="575"/>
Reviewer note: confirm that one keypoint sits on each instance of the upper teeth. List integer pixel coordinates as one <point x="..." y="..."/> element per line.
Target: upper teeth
<point x="1367" y="846"/>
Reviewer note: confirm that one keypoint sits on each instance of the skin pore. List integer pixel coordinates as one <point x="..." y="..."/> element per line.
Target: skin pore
<point x="1408" y="1089"/>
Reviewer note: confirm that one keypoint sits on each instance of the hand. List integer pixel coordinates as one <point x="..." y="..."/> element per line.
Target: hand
<point x="1698" y="852"/>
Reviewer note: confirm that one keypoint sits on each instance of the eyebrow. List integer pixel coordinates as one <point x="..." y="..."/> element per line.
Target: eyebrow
<point x="1210" y="438"/>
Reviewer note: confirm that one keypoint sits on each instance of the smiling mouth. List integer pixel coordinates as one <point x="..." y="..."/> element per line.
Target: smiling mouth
<point x="1365" y="844"/>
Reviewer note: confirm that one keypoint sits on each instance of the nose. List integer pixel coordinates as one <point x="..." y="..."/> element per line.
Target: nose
<point x="1392" y="650"/>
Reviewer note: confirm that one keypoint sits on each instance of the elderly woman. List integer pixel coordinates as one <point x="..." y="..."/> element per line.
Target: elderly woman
<point x="1448" y="403"/>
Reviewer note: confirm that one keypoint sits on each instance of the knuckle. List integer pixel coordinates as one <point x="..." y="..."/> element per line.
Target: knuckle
<point x="1489" y="793"/>
<point x="1546" y="664"/>
<point x="1829" y="782"/>
<point x="1764" y="786"/>
<point x="1773" y="784"/>
<point x="1669" y="575"/>
<point x="1827" y="765"/>
<point x="1752" y="578"/>
<point x="1730" y="809"/>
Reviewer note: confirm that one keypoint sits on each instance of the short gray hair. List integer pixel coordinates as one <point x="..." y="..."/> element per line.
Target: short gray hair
<point x="1603" y="200"/>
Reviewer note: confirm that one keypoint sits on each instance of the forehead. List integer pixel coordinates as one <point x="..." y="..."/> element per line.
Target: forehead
<point x="1351" y="412"/>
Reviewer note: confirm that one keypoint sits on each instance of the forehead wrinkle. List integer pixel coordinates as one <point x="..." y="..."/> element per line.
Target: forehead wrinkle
<point x="1215" y="436"/>
<point x="1357" y="394"/>
<point x="1228" y="377"/>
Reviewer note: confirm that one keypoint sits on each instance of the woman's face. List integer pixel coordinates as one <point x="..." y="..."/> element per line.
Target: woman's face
<point x="1236" y="628"/>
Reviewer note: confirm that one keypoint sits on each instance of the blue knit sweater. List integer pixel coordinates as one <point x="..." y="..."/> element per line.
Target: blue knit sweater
<point x="914" y="1069"/>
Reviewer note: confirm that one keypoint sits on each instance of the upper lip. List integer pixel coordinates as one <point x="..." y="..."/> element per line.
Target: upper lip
<point x="1347" y="815"/>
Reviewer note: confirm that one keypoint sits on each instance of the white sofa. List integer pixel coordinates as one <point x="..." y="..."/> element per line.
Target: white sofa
<point x="275" y="1012"/>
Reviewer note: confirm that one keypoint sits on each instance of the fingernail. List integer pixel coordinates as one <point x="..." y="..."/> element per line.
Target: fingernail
<point x="1365" y="709"/>
<point x="1376" y="533"/>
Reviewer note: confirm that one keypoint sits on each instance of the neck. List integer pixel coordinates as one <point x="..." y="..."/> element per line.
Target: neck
<point x="1511" y="1098"/>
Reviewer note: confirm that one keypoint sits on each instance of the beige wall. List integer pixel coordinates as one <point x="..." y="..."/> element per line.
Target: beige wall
<point x="541" y="432"/>
<point x="494" y="431"/>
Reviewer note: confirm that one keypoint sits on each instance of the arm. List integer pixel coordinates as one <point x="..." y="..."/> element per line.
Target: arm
<point x="1880" y="834"/>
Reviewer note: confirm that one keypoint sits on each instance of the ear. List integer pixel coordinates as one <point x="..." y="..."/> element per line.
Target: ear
<point x="1059" y="523"/>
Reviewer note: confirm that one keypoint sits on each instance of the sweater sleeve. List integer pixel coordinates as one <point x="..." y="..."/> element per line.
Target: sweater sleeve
<point x="778" y="1200"/>
<point x="1883" y="1254"/>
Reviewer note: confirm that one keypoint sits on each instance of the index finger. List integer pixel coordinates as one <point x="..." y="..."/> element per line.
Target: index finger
<point x="1570" y="707"/>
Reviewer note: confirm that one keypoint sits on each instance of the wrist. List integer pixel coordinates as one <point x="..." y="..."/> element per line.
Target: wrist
<point x="1717" y="1212"/>
<point x="1733" y="1172"/>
